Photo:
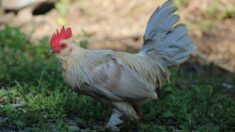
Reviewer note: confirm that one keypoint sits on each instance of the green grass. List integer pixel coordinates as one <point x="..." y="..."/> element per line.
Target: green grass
<point x="194" y="99"/>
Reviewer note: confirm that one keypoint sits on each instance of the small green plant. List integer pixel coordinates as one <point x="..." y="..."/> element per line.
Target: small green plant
<point x="62" y="7"/>
<point x="227" y="13"/>
<point x="223" y="12"/>
<point x="213" y="9"/>
<point x="180" y="3"/>
<point x="83" y="38"/>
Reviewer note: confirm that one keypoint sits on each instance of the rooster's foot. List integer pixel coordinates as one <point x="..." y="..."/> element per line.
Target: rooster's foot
<point x="114" y="121"/>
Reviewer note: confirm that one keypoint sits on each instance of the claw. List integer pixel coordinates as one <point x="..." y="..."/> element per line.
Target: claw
<point x="114" y="121"/>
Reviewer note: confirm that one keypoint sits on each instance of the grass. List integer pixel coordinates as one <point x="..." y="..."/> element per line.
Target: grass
<point x="34" y="97"/>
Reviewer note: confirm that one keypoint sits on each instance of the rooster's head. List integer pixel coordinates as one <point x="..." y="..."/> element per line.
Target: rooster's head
<point x="57" y="40"/>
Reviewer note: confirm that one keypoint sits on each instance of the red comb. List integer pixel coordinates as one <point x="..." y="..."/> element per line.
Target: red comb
<point x="58" y="36"/>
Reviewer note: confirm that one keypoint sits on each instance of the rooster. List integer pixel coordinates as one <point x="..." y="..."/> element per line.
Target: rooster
<point x="125" y="80"/>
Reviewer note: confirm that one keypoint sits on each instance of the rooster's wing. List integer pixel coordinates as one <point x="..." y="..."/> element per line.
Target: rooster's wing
<point x="114" y="80"/>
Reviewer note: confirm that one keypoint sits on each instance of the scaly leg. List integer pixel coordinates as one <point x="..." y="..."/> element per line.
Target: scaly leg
<point x="127" y="110"/>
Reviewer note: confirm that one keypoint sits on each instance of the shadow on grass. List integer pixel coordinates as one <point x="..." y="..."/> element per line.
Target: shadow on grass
<point x="198" y="97"/>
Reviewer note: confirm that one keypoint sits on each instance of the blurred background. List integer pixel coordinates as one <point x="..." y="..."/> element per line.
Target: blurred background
<point x="120" y="24"/>
<point x="34" y="97"/>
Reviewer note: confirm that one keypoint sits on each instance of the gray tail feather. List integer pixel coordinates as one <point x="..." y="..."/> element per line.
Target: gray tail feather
<point x="164" y="39"/>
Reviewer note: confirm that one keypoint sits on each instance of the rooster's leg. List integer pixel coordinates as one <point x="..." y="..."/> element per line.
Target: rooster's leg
<point x="114" y="120"/>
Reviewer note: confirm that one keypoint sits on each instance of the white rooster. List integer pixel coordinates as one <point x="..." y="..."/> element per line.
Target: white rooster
<point x="124" y="80"/>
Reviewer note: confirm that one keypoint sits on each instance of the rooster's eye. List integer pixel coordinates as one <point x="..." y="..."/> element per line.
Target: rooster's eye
<point x="63" y="45"/>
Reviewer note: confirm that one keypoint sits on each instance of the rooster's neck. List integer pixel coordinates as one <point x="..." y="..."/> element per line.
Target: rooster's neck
<point x="72" y="53"/>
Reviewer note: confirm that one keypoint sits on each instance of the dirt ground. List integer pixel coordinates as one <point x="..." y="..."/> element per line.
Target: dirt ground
<point x="120" y="25"/>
